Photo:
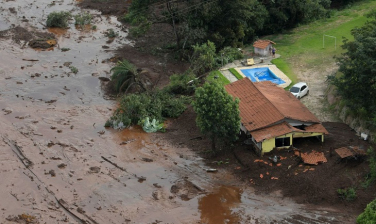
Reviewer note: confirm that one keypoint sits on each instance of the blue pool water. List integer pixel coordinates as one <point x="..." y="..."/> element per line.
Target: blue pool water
<point x="262" y="74"/>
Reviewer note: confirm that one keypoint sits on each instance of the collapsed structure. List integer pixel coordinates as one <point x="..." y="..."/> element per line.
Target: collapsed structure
<point x="273" y="117"/>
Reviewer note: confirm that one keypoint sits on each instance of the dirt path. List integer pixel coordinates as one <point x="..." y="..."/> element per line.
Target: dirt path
<point x="316" y="78"/>
<point x="59" y="165"/>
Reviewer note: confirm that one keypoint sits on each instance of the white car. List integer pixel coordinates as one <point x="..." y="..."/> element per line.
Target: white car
<point x="299" y="90"/>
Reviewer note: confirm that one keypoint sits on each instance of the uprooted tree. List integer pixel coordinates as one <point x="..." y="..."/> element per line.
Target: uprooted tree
<point x="125" y="76"/>
<point x="217" y="113"/>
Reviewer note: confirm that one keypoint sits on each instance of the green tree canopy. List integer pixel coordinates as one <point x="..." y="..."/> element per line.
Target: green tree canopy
<point x="285" y="14"/>
<point x="369" y="214"/>
<point x="203" y="58"/>
<point x="229" y="22"/>
<point x="357" y="83"/>
<point x="217" y="113"/>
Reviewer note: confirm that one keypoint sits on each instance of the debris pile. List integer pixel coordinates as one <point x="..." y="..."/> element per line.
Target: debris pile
<point x="312" y="158"/>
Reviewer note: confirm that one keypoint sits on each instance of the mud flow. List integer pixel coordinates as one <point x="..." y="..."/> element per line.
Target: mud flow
<point x="60" y="165"/>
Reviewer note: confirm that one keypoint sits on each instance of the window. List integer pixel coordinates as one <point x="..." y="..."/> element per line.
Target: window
<point x="303" y="88"/>
<point x="281" y="142"/>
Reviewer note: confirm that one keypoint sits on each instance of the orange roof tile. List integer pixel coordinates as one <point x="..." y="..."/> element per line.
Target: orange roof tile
<point x="313" y="157"/>
<point x="265" y="105"/>
<point x="256" y="111"/>
<point x="282" y="129"/>
<point x="271" y="132"/>
<point x="344" y="152"/>
<point x="262" y="44"/>
<point x="316" y="128"/>
<point x="285" y="102"/>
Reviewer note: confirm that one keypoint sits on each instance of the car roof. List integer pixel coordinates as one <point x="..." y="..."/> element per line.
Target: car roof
<point x="299" y="84"/>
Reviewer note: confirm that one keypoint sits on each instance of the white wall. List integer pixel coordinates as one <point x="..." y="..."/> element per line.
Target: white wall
<point x="263" y="52"/>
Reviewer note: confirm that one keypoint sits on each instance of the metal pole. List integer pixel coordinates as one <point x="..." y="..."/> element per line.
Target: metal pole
<point x="323" y="41"/>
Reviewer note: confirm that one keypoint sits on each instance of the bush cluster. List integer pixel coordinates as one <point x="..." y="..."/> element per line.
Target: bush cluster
<point x="369" y="214"/>
<point x="229" y="54"/>
<point x="348" y="194"/>
<point x="82" y="19"/>
<point x="182" y="84"/>
<point x="58" y="19"/>
<point x="158" y="105"/>
<point x="111" y="33"/>
<point x="205" y="58"/>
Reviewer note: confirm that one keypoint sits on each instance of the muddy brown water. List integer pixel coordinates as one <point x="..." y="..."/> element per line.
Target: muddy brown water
<point x="82" y="171"/>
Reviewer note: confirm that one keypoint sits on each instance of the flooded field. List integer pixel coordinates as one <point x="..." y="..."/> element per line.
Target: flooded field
<point x="58" y="164"/>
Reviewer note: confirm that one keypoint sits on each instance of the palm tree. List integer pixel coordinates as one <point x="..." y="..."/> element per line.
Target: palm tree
<point x="125" y="75"/>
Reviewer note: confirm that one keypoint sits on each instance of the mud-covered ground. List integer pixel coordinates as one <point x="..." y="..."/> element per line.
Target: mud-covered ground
<point x="311" y="185"/>
<point x="58" y="164"/>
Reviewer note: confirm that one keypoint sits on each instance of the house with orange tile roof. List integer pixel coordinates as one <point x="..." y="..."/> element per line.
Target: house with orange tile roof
<point x="273" y="117"/>
<point x="263" y="47"/>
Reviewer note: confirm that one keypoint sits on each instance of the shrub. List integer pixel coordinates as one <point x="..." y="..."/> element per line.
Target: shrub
<point x="152" y="126"/>
<point x="73" y="69"/>
<point x="65" y="49"/>
<point x="348" y="194"/>
<point x="140" y="26"/>
<point x="83" y="19"/>
<point x="369" y="214"/>
<point x="236" y="73"/>
<point x="58" y="19"/>
<point x="111" y="33"/>
<point x="182" y="83"/>
<point x="230" y="54"/>
<point x="371" y="177"/>
<point x="125" y="75"/>
<point x="135" y="108"/>
<point x="171" y="106"/>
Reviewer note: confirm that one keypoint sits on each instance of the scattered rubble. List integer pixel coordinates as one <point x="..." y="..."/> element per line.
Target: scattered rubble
<point x="312" y="158"/>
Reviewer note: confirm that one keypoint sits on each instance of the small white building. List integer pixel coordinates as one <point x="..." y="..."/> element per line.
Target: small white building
<point x="263" y="47"/>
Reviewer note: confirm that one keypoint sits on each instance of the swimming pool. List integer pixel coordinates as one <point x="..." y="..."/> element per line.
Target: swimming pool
<point x="262" y="74"/>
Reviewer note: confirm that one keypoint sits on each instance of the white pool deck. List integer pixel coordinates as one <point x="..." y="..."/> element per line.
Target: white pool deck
<point x="238" y="66"/>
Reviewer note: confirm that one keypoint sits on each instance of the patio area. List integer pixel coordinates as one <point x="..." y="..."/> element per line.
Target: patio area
<point x="260" y="62"/>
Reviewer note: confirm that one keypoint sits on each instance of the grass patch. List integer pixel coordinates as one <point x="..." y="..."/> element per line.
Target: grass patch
<point x="221" y="79"/>
<point x="73" y="69"/>
<point x="236" y="73"/>
<point x="302" y="47"/>
<point x="286" y="69"/>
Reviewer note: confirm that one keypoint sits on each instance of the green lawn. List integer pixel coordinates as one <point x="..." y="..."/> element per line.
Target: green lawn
<point x="236" y="73"/>
<point x="223" y="80"/>
<point x="303" y="46"/>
